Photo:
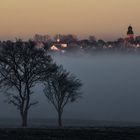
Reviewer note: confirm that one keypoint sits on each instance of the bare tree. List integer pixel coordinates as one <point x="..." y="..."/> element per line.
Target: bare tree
<point x="41" y="38"/>
<point x="70" y="38"/>
<point x="60" y="89"/>
<point x="22" y="66"/>
<point x="92" y="38"/>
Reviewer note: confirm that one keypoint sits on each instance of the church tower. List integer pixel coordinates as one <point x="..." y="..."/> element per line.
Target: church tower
<point x="130" y="33"/>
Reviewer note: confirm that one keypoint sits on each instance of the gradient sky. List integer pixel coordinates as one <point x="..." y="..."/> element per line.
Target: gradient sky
<point x="106" y="19"/>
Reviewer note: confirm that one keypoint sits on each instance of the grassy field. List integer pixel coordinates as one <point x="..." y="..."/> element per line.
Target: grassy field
<point x="100" y="133"/>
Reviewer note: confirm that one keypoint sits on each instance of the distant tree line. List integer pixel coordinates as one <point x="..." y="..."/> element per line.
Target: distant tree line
<point x="90" y="44"/>
<point x="23" y="66"/>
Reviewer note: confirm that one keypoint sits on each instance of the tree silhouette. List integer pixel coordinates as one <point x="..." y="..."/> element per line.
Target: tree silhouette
<point x="60" y="89"/>
<point x="22" y="66"/>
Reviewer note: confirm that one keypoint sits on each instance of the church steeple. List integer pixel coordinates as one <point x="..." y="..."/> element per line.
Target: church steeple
<point x="130" y="32"/>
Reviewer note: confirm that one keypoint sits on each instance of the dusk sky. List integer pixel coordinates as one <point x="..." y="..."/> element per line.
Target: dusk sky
<point x="106" y="19"/>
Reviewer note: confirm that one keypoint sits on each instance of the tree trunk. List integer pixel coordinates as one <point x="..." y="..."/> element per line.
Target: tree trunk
<point x="25" y="112"/>
<point x="59" y="119"/>
<point x="24" y="119"/>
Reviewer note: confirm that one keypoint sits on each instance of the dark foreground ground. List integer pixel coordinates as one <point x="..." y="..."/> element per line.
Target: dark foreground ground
<point x="100" y="133"/>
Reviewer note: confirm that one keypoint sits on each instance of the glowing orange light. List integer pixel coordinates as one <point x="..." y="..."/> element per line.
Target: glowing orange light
<point x="54" y="48"/>
<point x="58" y="40"/>
<point x="64" y="45"/>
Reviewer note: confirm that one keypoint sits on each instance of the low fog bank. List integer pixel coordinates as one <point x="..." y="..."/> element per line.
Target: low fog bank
<point x="111" y="89"/>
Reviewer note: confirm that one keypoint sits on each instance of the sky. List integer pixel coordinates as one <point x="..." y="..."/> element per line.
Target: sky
<point x="106" y="19"/>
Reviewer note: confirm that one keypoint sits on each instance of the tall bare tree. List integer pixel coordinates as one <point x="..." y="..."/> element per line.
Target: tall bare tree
<point x="22" y="66"/>
<point x="60" y="89"/>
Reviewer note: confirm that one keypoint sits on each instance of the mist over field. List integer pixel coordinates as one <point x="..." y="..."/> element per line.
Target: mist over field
<point x="111" y="89"/>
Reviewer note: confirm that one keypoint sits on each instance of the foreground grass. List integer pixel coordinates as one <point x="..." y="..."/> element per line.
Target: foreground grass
<point x="100" y="133"/>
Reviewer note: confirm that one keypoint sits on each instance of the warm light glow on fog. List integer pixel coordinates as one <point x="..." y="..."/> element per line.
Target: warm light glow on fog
<point x="54" y="48"/>
<point x="64" y="45"/>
